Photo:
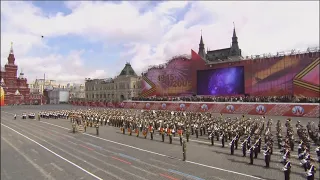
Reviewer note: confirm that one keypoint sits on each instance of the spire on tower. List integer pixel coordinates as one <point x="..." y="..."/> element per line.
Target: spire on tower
<point x="201" y="40"/>
<point x="202" y="50"/>
<point x="234" y="31"/>
<point x="234" y="49"/>
<point x="11" y="48"/>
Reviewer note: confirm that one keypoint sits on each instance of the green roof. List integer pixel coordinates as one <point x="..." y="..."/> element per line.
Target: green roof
<point x="127" y="70"/>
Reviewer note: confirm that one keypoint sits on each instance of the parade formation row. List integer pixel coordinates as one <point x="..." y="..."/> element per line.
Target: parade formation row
<point x="271" y="109"/>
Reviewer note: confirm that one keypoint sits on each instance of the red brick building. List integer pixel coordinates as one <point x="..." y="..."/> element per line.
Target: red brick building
<point x="16" y="88"/>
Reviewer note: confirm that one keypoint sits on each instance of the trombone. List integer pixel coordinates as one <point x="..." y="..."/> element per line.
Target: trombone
<point x="243" y="143"/>
<point x="287" y="166"/>
<point x="285" y="155"/>
<point x="266" y="151"/>
<point x="232" y="141"/>
<point x="310" y="171"/>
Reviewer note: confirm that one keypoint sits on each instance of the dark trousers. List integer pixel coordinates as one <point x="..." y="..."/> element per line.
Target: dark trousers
<point x="232" y="149"/>
<point x="251" y="157"/>
<point x="287" y="175"/>
<point x="267" y="160"/>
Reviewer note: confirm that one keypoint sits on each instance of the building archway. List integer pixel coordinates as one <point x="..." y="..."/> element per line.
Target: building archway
<point x="122" y="97"/>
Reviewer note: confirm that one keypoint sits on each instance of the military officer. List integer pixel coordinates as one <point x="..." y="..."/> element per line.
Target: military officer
<point x="251" y="150"/>
<point x="151" y="130"/>
<point x="197" y="131"/>
<point x="211" y="136"/>
<point x="97" y="128"/>
<point x="137" y="131"/>
<point x="129" y="130"/>
<point x="145" y="133"/>
<point x="287" y="170"/>
<point x="123" y="128"/>
<point x="256" y="149"/>
<point x="237" y="140"/>
<point x="187" y="134"/>
<point x="267" y="156"/>
<point x="180" y="135"/>
<point x="310" y="173"/>
<point x="222" y="139"/>
<point x="232" y="143"/>
<point x="74" y="127"/>
<point x="170" y="135"/>
<point x="184" y="150"/>
<point x="162" y="133"/>
<point x="244" y="148"/>
<point x="318" y="153"/>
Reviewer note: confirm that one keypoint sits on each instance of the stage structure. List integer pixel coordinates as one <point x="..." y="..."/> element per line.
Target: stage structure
<point x="286" y="73"/>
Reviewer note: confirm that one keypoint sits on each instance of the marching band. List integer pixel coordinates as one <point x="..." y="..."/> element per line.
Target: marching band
<point x="247" y="131"/>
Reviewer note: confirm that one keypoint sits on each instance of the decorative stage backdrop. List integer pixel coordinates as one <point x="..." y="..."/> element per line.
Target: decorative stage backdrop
<point x="287" y="75"/>
<point x="268" y="109"/>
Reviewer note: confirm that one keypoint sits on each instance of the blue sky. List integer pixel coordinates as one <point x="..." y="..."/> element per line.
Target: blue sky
<point x="95" y="39"/>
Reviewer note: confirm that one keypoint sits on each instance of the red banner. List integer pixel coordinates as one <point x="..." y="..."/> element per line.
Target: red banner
<point x="269" y="109"/>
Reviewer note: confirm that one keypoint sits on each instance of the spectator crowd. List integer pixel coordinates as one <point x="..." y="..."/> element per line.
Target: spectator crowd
<point x="286" y="99"/>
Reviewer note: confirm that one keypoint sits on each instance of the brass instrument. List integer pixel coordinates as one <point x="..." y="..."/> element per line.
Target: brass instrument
<point x="252" y="147"/>
<point x="309" y="172"/>
<point x="232" y="140"/>
<point x="265" y="152"/>
<point x="303" y="161"/>
<point x="285" y="155"/>
<point x="287" y="166"/>
<point x="244" y="143"/>
<point x="211" y="134"/>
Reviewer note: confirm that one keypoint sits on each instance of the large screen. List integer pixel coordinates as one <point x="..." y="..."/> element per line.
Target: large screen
<point x="224" y="81"/>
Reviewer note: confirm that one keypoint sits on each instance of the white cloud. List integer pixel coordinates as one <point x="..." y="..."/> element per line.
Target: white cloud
<point x="154" y="36"/>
